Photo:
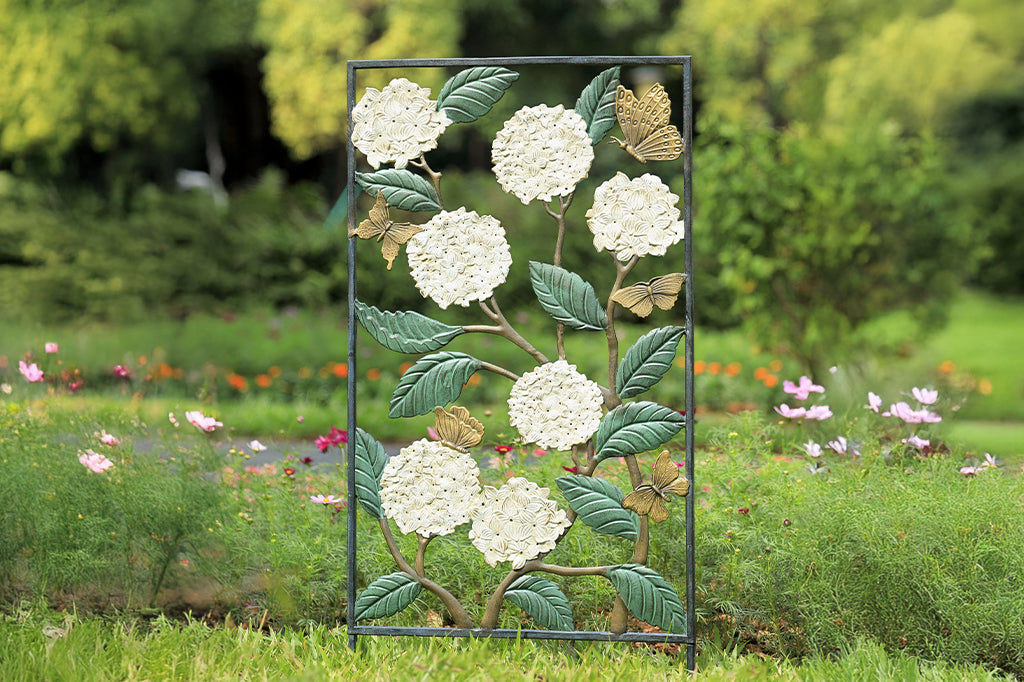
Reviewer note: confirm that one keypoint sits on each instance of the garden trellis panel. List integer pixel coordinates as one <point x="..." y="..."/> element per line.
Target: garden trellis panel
<point x="462" y="257"/>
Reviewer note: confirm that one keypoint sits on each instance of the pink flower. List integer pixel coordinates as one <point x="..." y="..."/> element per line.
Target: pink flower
<point x="121" y="372"/>
<point x="805" y="388"/>
<point x="338" y="436"/>
<point x="842" y="446"/>
<point x="325" y="499"/>
<point x="322" y="443"/>
<point x="812" y="448"/>
<point x="968" y="470"/>
<point x="819" y="412"/>
<point x="791" y="412"/>
<point x="571" y="470"/>
<point x="306" y="460"/>
<point x="989" y="463"/>
<point x="95" y="462"/>
<point x="32" y="373"/>
<point x="171" y="418"/>
<point x="502" y="449"/>
<point x="109" y="439"/>
<point x="257" y="446"/>
<point x="288" y="471"/>
<point x="202" y="422"/>
<point x="918" y="442"/>
<point x="874" y="401"/>
<point x="540" y="452"/>
<point x="432" y="433"/>
<point x="910" y="415"/>
<point x="51" y="347"/>
<point x="924" y="395"/>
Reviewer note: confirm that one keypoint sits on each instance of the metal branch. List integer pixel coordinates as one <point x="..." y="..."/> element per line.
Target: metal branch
<point x="458" y="613"/>
<point x="611" y="399"/>
<point x="499" y="370"/>
<point x="505" y="330"/>
<point x="434" y="176"/>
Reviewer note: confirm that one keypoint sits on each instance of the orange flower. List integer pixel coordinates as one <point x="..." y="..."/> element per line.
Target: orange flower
<point x="373" y="374"/>
<point x="714" y="367"/>
<point x="305" y="372"/>
<point x="732" y="369"/>
<point x="164" y="371"/>
<point x="340" y="369"/>
<point x="771" y="381"/>
<point x="947" y="366"/>
<point x="761" y="373"/>
<point x="404" y="367"/>
<point x="681" y="363"/>
<point x="263" y="381"/>
<point x="238" y="382"/>
<point x="775" y="365"/>
<point x="274" y="371"/>
<point x="984" y="386"/>
<point x="698" y="367"/>
<point x="474" y="380"/>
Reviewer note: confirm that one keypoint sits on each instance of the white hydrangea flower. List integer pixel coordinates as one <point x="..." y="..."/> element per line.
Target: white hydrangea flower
<point x="429" y="488"/>
<point x="516" y="523"/>
<point x="555" y="406"/>
<point x="636" y="217"/>
<point x="397" y="123"/>
<point x="458" y="257"/>
<point x="542" y="152"/>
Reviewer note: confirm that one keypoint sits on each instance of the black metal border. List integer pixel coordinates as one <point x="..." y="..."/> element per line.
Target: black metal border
<point x="689" y="638"/>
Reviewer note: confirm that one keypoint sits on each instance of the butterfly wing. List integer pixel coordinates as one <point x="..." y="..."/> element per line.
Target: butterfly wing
<point x="665" y="470"/>
<point x="637" y="298"/>
<point x="665" y="289"/>
<point x="394" y="236"/>
<point x="458" y="428"/>
<point x="378" y="223"/>
<point x="659" y="512"/>
<point x="642" y="499"/>
<point x="664" y="144"/>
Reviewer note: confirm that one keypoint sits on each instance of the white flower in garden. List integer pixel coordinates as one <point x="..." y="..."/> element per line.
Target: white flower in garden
<point x="636" y="217"/>
<point x="555" y="406"/>
<point x="516" y="523"/>
<point x="397" y="123"/>
<point x="542" y="152"/>
<point x="458" y="257"/>
<point x="429" y="488"/>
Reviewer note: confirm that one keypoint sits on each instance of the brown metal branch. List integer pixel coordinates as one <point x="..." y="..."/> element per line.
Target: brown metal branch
<point x="458" y="613"/>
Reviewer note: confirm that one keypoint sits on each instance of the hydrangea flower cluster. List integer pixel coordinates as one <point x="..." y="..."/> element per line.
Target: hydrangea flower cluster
<point x="555" y="406"/>
<point x="542" y="152"/>
<point x="398" y="123"/>
<point x="516" y="523"/>
<point x="429" y="488"/>
<point x="637" y="217"/>
<point x="458" y="257"/>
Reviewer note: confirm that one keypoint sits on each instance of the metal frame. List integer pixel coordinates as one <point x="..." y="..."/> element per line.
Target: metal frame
<point x="689" y="638"/>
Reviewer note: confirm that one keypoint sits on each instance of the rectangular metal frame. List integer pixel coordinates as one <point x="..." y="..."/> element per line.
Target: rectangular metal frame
<point x="689" y="638"/>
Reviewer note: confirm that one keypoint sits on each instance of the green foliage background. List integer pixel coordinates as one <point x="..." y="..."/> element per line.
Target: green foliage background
<point x="851" y="158"/>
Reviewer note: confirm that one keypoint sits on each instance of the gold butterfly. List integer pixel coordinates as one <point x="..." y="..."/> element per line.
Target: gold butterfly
<point x="648" y="499"/>
<point x="644" y="124"/>
<point x="661" y="291"/>
<point x="457" y="429"/>
<point x="393" y="235"/>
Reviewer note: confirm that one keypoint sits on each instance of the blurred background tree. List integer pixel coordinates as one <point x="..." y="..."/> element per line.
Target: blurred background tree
<point x="852" y="157"/>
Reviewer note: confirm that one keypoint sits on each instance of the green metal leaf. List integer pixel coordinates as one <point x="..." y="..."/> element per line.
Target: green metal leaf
<point x="596" y="104"/>
<point x="470" y="94"/>
<point x="567" y="297"/>
<point x="386" y="596"/>
<point x="635" y="427"/>
<point x="402" y="189"/>
<point x="599" y="505"/>
<point x="405" y="332"/>
<point x="542" y="601"/>
<point x="649" y="596"/>
<point x="647" y="360"/>
<point x="371" y="457"/>
<point x="435" y="380"/>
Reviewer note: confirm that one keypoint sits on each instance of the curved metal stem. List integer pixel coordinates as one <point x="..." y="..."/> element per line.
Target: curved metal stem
<point x="505" y="330"/>
<point x="458" y="613"/>
<point x="612" y="399"/>
<point x="434" y="176"/>
<point x="499" y="370"/>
